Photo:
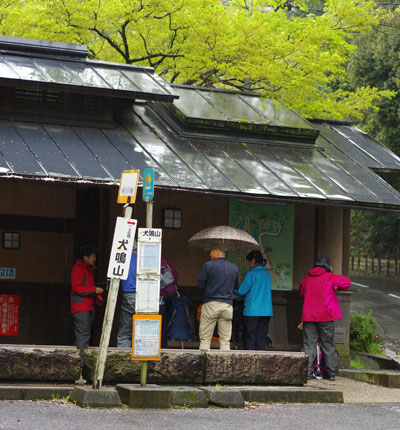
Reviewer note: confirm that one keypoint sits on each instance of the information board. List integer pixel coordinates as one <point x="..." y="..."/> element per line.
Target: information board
<point x="272" y="225"/>
<point x="9" y="315"/>
<point x="147" y="295"/>
<point x="128" y="186"/>
<point x="146" y="337"/>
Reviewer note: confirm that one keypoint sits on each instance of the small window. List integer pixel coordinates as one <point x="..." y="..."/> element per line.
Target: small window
<point x="172" y="218"/>
<point x="10" y="240"/>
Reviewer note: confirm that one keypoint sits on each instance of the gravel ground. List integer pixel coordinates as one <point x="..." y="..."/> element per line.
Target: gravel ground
<point x="24" y="415"/>
<point x="360" y="392"/>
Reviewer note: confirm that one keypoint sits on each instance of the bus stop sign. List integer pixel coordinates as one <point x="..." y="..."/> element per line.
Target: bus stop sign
<point x="148" y="185"/>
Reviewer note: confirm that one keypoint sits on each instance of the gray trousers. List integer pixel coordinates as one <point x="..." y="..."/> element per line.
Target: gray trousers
<point x="325" y="330"/>
<point x="83" y="328"/>
<point x="124" y="338"/>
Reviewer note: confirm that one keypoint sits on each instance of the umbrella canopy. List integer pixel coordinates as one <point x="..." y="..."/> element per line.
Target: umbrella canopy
<point x="224" y="238"/>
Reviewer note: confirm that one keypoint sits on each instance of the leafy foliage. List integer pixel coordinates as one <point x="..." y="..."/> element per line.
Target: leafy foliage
<point x="363" y="335"/>
<point x="292" y="51"/>
<point x="376" y="234"/>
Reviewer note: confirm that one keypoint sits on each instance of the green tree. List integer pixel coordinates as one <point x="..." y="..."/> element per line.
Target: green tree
<point x="292" y="51"/>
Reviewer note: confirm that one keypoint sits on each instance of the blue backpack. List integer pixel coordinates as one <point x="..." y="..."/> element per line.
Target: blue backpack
<point x="178" y="318"/>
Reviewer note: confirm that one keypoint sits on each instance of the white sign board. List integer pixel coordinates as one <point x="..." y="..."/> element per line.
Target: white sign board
<point x="147" y="296"/>
<point x="149" y="251"/>
<point x="121" y="250"/>
<point x="146" y="338"/>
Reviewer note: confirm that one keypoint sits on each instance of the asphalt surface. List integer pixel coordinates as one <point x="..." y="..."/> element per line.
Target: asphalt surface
<point x="382" y="297"/>
<point x="22" y="415"/>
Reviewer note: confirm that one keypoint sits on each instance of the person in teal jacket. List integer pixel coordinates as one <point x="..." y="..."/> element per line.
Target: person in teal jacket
<point x="256" y="286"/>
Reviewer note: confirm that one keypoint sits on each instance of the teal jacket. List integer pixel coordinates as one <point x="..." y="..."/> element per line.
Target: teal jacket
<point x="256" y="286"/>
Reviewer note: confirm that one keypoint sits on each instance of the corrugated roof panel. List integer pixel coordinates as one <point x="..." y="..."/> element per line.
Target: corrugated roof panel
<point x="57" y="72"/>
<point x="256" y="169"/>
<point x="228" y="166"/>
<point x="162" y="153"/>
<point x="86" y="74"/>
<point x="214" y="179"/>
<point x="101" y="147"/>
<point x="144" y="82"/>
<point x="372" y="182"/>
<point x="231" y="106"/>
<point x="347" y="146"/>
<point x="77" y="152"/>
<point x="25" y="68"/>
<point x="276" y="114"/>
<point x="370" y="146"/>
<point x="193" y="105"/>
<point x="302" y="161"/>
<point x="47" y="152"/>
<point x="17" y="153"/>
<point x="136" y="155"/>
<point x="286" y="173"/>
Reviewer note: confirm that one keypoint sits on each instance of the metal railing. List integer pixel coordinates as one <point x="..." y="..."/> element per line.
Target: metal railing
<point x="375" y="266"/>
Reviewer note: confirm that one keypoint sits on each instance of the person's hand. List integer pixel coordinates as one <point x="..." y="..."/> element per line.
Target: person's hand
<point x="99" y="290"/>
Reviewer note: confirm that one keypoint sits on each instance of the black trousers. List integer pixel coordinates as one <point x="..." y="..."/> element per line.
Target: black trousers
<point x="83" y="328"/>
<point x="255" y="332"/>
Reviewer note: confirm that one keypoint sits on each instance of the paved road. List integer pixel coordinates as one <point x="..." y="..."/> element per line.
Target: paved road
<point x="383" y="298"/>
<point x="21" y="415"/>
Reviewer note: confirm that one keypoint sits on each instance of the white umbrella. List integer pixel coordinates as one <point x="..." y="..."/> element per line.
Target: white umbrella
<point x="224" y="238"/>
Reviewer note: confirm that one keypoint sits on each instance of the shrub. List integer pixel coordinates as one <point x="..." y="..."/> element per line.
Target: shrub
<point x="363" y="336"/>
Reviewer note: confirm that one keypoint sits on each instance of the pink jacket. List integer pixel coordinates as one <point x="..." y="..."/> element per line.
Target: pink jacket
<point x="319" y="291"/>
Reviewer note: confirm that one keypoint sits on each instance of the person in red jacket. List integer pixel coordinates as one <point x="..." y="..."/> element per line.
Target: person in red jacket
<point x="83" y="295"/>
<point x="320" y="309"/>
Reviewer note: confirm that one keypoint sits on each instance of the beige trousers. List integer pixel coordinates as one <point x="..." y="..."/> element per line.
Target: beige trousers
<point x="211" y="313"/>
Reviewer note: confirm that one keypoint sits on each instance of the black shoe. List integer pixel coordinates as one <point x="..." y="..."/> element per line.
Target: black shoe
<point x="329" y="378"/>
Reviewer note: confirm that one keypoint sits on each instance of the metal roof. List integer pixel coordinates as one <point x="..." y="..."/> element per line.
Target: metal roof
<point x="321" y="172"/>
<point x="36" y="66"/>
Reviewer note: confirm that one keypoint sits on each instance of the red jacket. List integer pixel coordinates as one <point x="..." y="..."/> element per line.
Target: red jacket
<point x="318" y="290"/>
<point x="83" y="289"/>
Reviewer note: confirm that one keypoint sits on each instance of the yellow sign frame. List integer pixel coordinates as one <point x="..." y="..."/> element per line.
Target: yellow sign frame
<point x="146" y="317"/>
<point x="132" y="197"/>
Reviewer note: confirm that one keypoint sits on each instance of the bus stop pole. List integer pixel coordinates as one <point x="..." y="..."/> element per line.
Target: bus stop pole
<point x="149" y="224"/>
<point x="107" y="324"/>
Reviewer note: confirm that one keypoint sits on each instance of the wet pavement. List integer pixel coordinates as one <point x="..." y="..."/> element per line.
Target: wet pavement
<point x="382" y="297"/>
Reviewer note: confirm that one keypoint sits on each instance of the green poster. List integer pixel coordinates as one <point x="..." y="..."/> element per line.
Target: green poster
<point x="272" y="225"/>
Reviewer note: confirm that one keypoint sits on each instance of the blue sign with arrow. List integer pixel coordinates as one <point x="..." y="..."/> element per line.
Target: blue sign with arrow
<point x="148" y="185"/>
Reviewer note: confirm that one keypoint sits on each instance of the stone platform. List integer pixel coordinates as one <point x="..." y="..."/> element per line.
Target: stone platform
<point x="61" y="364"/>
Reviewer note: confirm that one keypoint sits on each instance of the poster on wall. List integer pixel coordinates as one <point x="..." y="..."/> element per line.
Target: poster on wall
<point x="9" y="315"/>
<point x="272" y="225"/>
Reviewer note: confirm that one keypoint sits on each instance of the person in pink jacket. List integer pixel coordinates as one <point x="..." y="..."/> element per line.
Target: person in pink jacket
<point x="320" y="310"/>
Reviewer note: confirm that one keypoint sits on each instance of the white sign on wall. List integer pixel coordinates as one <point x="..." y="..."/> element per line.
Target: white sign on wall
<point x="121" y="250"/>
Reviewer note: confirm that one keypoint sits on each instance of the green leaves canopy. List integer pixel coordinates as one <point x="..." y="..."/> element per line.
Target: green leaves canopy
<point x="286" y="50"/>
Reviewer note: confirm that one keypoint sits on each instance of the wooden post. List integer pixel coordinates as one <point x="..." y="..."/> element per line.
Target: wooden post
<point x="387" y="267"/>
<point x="379" y="266"/>
<point x="366" y="264"/>
<point x="107" y="324"/>
<point x="372" y="265"/>
<point x="352" y="263"/>
<point x="359" y="264"/>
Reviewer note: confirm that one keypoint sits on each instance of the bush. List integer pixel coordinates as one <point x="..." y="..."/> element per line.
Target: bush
<point x="363" y="336"/>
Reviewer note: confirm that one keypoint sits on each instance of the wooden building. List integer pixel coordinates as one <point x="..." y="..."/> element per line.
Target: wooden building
<point x="69" y="126"/>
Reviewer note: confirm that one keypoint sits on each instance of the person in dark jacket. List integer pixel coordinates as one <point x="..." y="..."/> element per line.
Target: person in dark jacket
<point x="83" y="295"/>
<point x="320" y="310"/>
<point x="218" y="277"/>
<point x="256" y="287"/>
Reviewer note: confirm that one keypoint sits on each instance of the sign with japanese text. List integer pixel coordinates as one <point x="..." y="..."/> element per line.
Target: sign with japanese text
<point x="128" y="186"/>
<point x="146" y="337"/>
<point x="121" y="250"/>
<point x="9" y="315"/>
<point x="7" y="272"/>
<point x="148" y="185"/>
<point x="147" y="295"/>
<point x="149" y="250"/>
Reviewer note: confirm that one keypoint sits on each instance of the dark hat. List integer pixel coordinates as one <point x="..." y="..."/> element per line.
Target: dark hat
<point x="325" y="263"/>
